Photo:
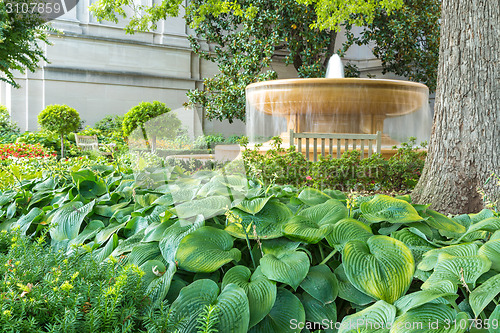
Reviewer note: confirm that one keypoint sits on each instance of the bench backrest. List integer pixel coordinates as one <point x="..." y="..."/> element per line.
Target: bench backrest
<point x="338" y="140"/>
<point x="87" y="142"/>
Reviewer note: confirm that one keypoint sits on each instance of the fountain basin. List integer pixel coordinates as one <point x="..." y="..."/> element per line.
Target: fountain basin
<point x="340" y="105"/>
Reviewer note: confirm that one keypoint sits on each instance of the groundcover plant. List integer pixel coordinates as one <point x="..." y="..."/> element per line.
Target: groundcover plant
<point x="245" y="257"/>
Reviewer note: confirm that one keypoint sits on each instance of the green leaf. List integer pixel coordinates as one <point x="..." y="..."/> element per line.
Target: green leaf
<point x="443" y="288"/>
<point x="317" y="312"/>
<point x="300" y="228"/>
<point x="108" y="211"/>
<point x="253" y="206"/>
<point x="494" y="320"/>
<point x="289" y="267"/>
<point x="24" y="222"/>
<point x="347" y="291"/>
<point x="286" y="310"/>
<point x="206" y="250"/>
<point x="443" y="222"/>
<point x="67" y="219"/>
<point x="208" y="207"/>
<point x="430" y="258"/>
<point x="416" y="242"/>
<point x="268" y="221"/>
<point x="480" y="297"/>
<point x="232" y="303"/>
<point x="261" y="292"/>
<point x="491" y="224"/>
<point x="375" y="318"/>
<point x="157" y="279"/>
<point x="329" y="212"/>
<point x="458" y="270"/>
<point x="143" y="252"/>
<point x="321" y="284"/>
<point x="386" y="208"/>
<point x="491" y="249"/>
<point x="346" y="230"/>
<point x="175" y="233"/>
<point x="381" y="267"/>
<point x="431" y="318"/>
<point x="311" y="196"/>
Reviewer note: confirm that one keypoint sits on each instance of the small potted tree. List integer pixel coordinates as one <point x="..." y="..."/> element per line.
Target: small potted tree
<point x="154" y="119"/>
<point x="60" y="119"/>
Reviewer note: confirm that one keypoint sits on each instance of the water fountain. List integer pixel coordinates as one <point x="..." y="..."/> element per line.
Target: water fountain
<point x="333" y="105"/>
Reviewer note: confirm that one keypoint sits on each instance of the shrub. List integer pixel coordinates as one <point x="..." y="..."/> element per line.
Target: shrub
<point x="110" y="124"/>
<point x="60" y="119"/>
<point x="153" y="119"/>
<point x="50" y="140"/>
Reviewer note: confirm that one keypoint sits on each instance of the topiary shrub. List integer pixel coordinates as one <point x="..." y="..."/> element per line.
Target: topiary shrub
<point x="8" y="129"/>
<point x="153" y="119"/>
<point x="60" y="119"/>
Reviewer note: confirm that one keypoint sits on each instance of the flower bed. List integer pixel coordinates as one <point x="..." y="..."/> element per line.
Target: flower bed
<point x="24" y="150"/>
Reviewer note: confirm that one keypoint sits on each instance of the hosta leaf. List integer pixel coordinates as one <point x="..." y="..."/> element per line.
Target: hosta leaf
<point x="347" y="291"/>
<point x="348" y="229"/>
<point x="443" y="222"/>
<point x="482" y="215"/>
<point x="128" y="244"/>
<point x="89" y="232"/>
<point x="375" y="318"/>
<point x="268" y="221"/>
<point x="431" y="318"/>
<point x="319" y="313"/>
<point x="311" y="196"/>
<point x="278" y="245"/>
<point x="286" y="311"/>
<point x="144" y="252"/>
<point x="253" y="206"/>
<point x="491" y="249"/>
<point x="386" y="208"/>
<point x="208" y="207"/>
<point x="7" y="196"/>
<point x="261" y="292"/>
<point x="443" y="288"/>
<point x="289" y="267"/>
<point x="494" y="320"/>
<point x="415" y="241"/>
<point x="157" y="279"/>
<point x="206" y="250"/>
<point x="321" y="284"/>
<point x="66" y="221"/>
<point x="458" y="270"/>
<point x="430" y="258"/>
<point x="232" y="303"/>
<point x="24" y="222"/>
<point x="108" y="211"/>
<point x="175" y="233"/>
<point x="101" y="254"/>
<point x="491" y="224"/>
<point x="300" y="228"/>
<point x="329" y="212"/>
<point x="381" y="267"/>
<point x="480" y="297"/>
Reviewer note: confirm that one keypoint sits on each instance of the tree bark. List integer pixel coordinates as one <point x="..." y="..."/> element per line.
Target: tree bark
<point x="464" y="147"/>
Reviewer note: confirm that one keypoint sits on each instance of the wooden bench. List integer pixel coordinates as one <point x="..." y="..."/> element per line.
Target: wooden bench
<point x="91" y="143"/>
<point x="338" y="140"/>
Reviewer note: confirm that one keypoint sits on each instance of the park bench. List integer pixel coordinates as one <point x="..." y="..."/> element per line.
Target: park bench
<point x="330" y="143"/>
<point x="91" y="143"/>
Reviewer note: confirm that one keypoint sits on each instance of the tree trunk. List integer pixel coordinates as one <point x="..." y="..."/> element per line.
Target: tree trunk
<point x="464" y="148"/>
<point x="62" y="146"/>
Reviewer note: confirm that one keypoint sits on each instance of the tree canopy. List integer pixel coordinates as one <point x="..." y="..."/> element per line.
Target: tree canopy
<point x="20" y="36"/>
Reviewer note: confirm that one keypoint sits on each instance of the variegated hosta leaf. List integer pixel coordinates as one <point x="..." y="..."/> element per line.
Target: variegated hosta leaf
<point x="495" y="318"/>
<point x="268" y="221"/>
<point x="443" y="288"/>
<point x="232" y="306"/>
<point x="278" y="245"/>
<point x="430" y="258"/>
<point x="329" y="212"/>
<point x="443" y="222"/>
<point x="491" y="224"/>
<point x="157" y="279"/>
<point x="458" y="270"/>
<point x="261" y="292"/>
<point x="143" y="252"/>
<point x="348" y="292"/>
<point x="386" y="208"/>
<point x="66" y="221"/>
<point x="348" y="229"/>
<point x="175" y="233"/>
<point x="208" y="207"/>
<point x="482" y="215"/>
<point x="286" y="313"/>
<point x="416" y="243"/>
<point x="381" y="267"/>
<point x="374" y="319"/>
<point x="24" y="222"/>
<point x="480" y="297"/>
<point x="321" y="284"/>
<point x="101" y="254"/>
<point x="431" y="318"/>
<point x="300" y="228"/>
<point x="491" y="249"/>
<point x="311" y="196"/>
<point x="206" y="250"/>
<point x="253" y="206"/>
<point x="288" y="267"/>
<point x="317" y="312"/>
